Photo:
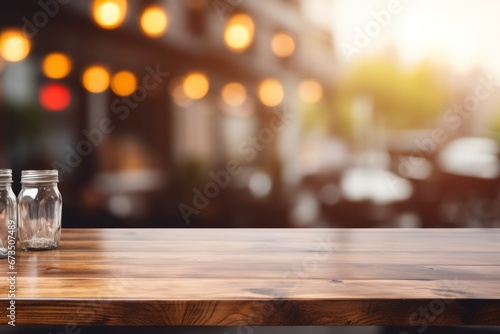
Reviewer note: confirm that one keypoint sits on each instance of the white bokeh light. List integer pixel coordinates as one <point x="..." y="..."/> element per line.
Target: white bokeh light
<point x="260" y="184"/>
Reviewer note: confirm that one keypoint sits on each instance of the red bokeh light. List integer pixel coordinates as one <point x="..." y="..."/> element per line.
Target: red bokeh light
<point x="54" y="97"/>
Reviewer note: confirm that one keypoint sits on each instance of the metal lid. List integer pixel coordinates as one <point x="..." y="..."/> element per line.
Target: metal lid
<point x="6" y="175"/>
<point x="39" y="176"/>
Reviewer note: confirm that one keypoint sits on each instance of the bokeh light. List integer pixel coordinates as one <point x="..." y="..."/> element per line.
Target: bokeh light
<point x="282" y="45"/>
<point x="54" y="97"/>
<point x="271" y="92"/>
<point x="234" y="94"/>
<point x="109" y="14"/>
<point x="56" y="66"/>
<point x="96" y="79"/>
<point x="123" y="83"/>
<point x="260" y="184"/>
<point x="176" y="90"/>
<point x="14" y="45"/>
<point x="310" y="91"/>
<point x="154" y="21"/>
<point x="239" y="32"/>
<point x="195" y="85"/>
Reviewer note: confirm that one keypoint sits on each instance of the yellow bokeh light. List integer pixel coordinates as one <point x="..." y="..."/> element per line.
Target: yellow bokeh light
<point x="310" y="91"/>
<point x="14" y="45"/>
<point x="123" y="83"/>
<point x="154" y="21"/>
<point x="195" y="85"/>
<point x="96" y="79"/>
<point x="56" y="66"/>
<point x="271" y="92"/>
<point x="239" y="32"/>
<point x="234" y="94"/>
<point x="109" y="14"/>
<point x="283" y="45"/>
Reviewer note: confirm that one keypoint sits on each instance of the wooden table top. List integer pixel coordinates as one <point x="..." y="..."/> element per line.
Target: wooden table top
<point x="239" y="277"/>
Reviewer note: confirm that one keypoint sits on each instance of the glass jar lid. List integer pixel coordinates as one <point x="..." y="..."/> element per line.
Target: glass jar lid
<point x="6" y="175"/>
<point x="39" y="176"/>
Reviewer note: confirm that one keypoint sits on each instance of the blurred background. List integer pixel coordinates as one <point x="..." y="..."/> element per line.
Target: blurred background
<point x="235" y="113"/>
<point x="239" y="113"/>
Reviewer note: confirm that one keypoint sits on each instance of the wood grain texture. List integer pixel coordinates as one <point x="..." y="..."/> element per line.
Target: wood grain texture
<point x="240" y="277"/>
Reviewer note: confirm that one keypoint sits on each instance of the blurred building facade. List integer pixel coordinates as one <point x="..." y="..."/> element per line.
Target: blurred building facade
<point x="210" y="88"/>
<point x="211" y="113"/>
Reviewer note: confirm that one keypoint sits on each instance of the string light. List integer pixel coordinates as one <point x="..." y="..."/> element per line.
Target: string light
<point x="271" y="92"/>
<point x="96" y="79"/>
<point x="14" y="45"/>
<point x="123" y="83"/>
<point x="56" y="66"/>
<point x="234" y="94"/>
<point x="154" y="21"/>
<point x="239" y="32"/>
<point x="195" y="85"/>
<point x="109" y="14"/>
<point x="282" y="45"/>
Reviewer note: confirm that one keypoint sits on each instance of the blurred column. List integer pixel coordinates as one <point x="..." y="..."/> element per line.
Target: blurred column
<point x="19" y="92"/>
<point x="97" y="109"/>
<point x="363" y="119"/>
<point x="289" y="138"/>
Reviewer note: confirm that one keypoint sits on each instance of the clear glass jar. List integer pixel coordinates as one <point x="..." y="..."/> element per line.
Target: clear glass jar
<point x="40" y="206"/>
<point x="8" y="214"/>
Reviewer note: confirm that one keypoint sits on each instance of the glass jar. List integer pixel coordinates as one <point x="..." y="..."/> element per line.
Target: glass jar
<point x="40" y="206"/>
<point x="8" y="214"/>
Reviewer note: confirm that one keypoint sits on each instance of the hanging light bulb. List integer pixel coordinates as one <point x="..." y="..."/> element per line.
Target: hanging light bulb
<point x="14" y="45"/>
<point x="56" y="66"/>
<point x="109" y="14"/>
<point x="239" y="32"/>
<point x="195" y="85"/>
<point x="96" y="79"/>
<point x="234" y="94"/>
<point x="271" y="92"/>
<point x="283" y="45"/>
<point x="154" y="21"/>
<point x="123" y="83"/>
